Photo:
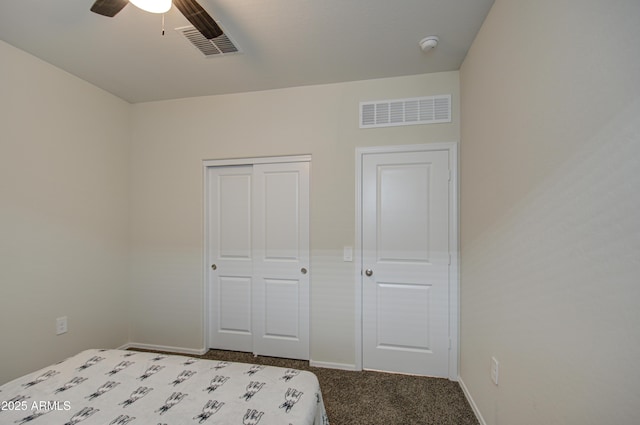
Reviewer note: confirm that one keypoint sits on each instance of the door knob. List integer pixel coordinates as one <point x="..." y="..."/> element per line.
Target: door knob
<point x="303" y="270"/>
<point x="214" y="267"/>
<point x="368" y="272"/>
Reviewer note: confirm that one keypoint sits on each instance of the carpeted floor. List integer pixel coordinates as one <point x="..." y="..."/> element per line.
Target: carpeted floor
<point x="376" y="398"/>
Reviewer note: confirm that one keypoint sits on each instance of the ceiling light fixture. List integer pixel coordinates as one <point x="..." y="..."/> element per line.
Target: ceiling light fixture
<point x="429" y="43"/>
<point x="153" y="6"/>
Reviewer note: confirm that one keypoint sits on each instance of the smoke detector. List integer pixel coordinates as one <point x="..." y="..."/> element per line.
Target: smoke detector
<point x="428" y="43"/>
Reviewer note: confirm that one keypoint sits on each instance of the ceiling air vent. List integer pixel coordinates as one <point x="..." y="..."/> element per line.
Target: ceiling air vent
<point x="416" y="110"/>
<point x="218" y="46"/>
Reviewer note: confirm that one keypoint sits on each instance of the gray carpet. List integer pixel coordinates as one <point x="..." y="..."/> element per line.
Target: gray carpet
<point x="375" y="398"/>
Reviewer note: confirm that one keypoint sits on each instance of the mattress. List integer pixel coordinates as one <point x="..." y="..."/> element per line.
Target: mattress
<point x="119" y="387"/>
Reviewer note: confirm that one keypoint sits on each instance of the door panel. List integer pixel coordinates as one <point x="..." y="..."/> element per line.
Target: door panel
<point x="231" y="251"/>
<point x="281" y="290"/>
<point x="281" y="321"/>
<point x="281" y="210"/>
<point x="406" y="328"/>
<point x="234" y="208"/>
<point x="403" y="190"/>
<point x="234" y="313"/>
<point x="405" y="241"/>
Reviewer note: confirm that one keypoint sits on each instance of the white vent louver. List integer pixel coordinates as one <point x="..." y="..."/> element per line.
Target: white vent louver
<point x="416" y="110"/>
<point x="218" y="46"/>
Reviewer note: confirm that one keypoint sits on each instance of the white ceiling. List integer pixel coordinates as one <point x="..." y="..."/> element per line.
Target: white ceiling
<point x="284" y="43"/>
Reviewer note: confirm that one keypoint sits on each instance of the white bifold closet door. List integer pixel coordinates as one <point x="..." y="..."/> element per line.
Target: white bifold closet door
<point x="258" y="249"/>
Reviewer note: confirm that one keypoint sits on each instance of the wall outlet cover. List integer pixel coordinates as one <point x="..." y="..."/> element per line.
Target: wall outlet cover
<point x="494" y="370"/>
<point x="61" y="325"/>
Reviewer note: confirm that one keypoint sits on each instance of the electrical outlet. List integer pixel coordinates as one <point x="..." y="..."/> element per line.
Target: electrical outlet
<point x="494" y="370"/>
<point x="61" y="325"/>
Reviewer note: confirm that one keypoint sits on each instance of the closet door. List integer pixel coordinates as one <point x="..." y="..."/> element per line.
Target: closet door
<point x="258" y="258"/>
<point x="230" y="253"/>
<point x="281" y="260"/>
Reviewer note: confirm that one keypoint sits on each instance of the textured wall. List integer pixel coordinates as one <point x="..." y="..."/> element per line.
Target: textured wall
<point x="171" y="139"/>
<point x="64" y="208"/>
<point x="550" y="193"/>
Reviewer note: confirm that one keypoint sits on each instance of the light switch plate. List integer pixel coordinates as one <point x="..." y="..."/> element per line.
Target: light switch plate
<point x="348" y="253"/>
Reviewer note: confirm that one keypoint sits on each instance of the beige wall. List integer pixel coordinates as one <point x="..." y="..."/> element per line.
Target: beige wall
<point x="550" y="194"/>
<point x="170" y="140"/>
<point x="101" y="216"/>
<point x="64" y="149"/>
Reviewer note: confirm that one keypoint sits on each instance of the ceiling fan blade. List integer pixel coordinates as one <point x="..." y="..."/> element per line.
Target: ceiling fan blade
<point x="108" y="8"/>
<point x="199" y="18"/>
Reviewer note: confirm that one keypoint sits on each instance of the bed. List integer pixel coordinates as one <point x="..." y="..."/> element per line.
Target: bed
<point x="117" y="387"/>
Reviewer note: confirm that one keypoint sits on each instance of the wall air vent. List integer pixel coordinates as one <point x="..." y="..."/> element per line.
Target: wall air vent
<point x="416" y="110"/>
<point x="219" y="46"/>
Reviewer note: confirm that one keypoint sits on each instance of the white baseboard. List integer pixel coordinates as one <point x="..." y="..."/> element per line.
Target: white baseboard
<point x="201" y="351"/>
<point x="330" y="365"/>
<point x="181" y="350"/>
<point x="474" y="407"/>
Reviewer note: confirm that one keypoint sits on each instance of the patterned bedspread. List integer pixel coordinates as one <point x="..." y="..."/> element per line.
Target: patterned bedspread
<point x="118" y="387"/>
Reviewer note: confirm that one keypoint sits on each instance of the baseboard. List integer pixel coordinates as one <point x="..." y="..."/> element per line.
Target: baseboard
<point x="181" y="350"/>
<point x="330" y="365"/>
<point x="474" y="407"/>
<point x="201" y="351"/>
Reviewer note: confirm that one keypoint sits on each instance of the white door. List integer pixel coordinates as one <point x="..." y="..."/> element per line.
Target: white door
<point x="281" y="260"/>
<point x="230" y="242"/>
<point x="258" y="245"/>
<point x="406" y="259"/>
